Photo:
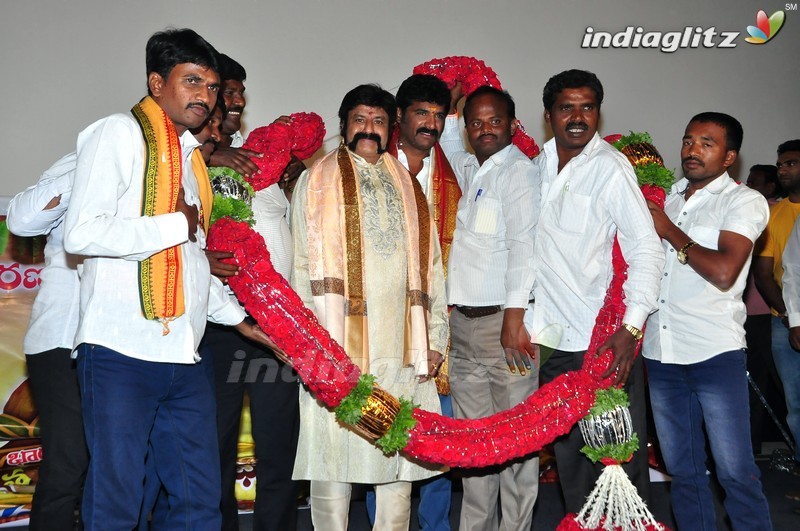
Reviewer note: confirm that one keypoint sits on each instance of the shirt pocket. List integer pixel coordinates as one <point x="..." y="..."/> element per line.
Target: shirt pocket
<point x="574" y="214"/>
<point x="707" y="237"/>
<point x="485" y="216"/>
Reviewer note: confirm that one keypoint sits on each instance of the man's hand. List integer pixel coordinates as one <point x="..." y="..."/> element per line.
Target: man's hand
<point x="253" y="332"/>
<point x="435" y="360"/>
<point x="661" y="221"/>
<point x="192" y="216"/>
<point x="516" y="342"/>
<point x="221" y="270"/>
<point x="290" y="175"/>
<point x="53" y="203"/>
<point x="794" y="337"/>
<point x="455" y="96"/>
<point x="238" y="159"/>
<point x="623" y="346"/>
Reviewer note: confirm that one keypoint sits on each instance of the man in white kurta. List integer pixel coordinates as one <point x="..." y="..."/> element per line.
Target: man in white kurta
<point x="329" y="454"/>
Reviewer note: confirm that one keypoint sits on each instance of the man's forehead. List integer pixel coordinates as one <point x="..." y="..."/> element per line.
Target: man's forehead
<point x="426" y="105"/>
<point x="789" y="155"/>
<point x="367" y="110"/>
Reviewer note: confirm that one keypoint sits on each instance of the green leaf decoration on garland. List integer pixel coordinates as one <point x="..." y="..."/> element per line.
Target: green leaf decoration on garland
<point x="633" y="138"/>
<point x="618" y="452"/>
<point x="3" y="236"/>
<point x="607" y="400"/>
<point x="650" y="173"/>
<point x="397" y="437"/>
<point x="349" y="409"/>
<point x="231" y="206"/>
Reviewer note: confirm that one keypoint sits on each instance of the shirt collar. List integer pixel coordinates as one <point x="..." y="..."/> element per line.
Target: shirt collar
<point x="499" y="158"/>
<point x="717" y="186"/>
<point x="552" y="154"/>
<point x="188" y="141"/>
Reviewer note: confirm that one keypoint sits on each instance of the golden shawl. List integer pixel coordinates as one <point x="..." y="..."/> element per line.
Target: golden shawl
<point x="335" y="261"/>
<point x="160" y="276"/>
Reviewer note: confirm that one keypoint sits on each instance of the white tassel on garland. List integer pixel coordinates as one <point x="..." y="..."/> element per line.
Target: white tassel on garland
<point x="615" y="504"/>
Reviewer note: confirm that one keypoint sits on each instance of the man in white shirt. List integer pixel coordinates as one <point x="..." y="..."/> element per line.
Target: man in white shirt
<point x="146" y="293"/>
<point x="490" y="277"/>
<point x="589" y="196"/>
<point x="48" y="346"/>
<point x="694" y="345"/>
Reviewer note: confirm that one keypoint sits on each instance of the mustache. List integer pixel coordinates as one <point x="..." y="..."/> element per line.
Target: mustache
<point x="687" y="159"/>
<point x="366" y="136"/>
<point x="582" y="125"/>
<point x="199" y="104"/>
<point x="433" y="132"/>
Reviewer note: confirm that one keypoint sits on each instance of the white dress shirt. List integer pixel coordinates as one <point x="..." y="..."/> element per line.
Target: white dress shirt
<point x="424" y="175"/>
<point x="55" y="312"/>
<point x="696" y="320"/>
<point x="270" y="208"/>
<point x="592" y="199"/>
<point x="491" y="257"/>
<point x="104" y="222"/>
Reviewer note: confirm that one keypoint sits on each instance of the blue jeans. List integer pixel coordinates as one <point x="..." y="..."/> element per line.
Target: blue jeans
<point x="434" y="493"/>
<point x="714" y="393"/>
<point x="787" y="362"/>
<point x="130" y="405"/>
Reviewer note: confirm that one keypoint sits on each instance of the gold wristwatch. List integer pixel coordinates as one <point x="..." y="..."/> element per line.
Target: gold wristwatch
<point x="683" y="255"/>
<point x="635" y="332"/>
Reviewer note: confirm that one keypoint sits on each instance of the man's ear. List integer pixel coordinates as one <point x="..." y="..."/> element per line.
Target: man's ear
<point x="730" y="158"/>
<point x="514" y="125"/>
<point x="547" y="117"/>
<point x="399" y="115"/>
<point x="155" y="83"/>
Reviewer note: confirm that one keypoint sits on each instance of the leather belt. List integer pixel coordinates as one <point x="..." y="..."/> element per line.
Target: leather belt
<point x="473" y="312"/>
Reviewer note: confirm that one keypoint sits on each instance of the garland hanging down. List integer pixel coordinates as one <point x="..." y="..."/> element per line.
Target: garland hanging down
<point x="279" y="141"/>
<point x="395" y="424"/>
<point x="474" y="73"/>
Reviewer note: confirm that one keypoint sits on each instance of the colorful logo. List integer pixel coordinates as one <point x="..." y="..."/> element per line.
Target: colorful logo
<point x="765" y="28"/>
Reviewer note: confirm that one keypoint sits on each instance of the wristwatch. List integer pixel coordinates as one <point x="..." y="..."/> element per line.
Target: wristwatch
<point x="635" y="332"/>
<point x="683" y="257"/>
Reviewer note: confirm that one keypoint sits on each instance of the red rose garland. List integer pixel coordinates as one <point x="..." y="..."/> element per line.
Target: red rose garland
<point x="278" y="141"/>
<point x="473" y="73"/>
<point x="326" y="369"/>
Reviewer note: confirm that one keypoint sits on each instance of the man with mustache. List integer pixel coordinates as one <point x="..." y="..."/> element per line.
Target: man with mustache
<point x="694" y="345"/>
<point x="229" y="151"/>
<point x="367" y="262"/>
<point x="423" y="102"/>
<point x="139" y="209"/>
<point x="490" y="277"/>
<point x="589" y="196"/>
<point x="769" y="268"/>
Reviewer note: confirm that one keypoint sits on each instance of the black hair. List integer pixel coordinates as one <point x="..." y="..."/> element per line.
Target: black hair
<point x="733" y="129"/>
<point x="371" y="95"/>
<point x="570" y="79"/>
<point x="230" y="69"/>
<point x="769" y="171"/>
<point x="171" y="47"/>
<point x="423" y="87"/>
<point x="789" y="145"/>
<point x="504" y="96"/>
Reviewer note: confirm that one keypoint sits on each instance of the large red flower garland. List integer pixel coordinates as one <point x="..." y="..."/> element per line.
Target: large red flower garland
<point x="325" y="368"/>
<point x="278" y="141"/>
<point x="474" y="73"/>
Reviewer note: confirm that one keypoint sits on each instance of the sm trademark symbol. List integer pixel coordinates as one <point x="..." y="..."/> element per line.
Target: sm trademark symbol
<point x="791" y="7"/>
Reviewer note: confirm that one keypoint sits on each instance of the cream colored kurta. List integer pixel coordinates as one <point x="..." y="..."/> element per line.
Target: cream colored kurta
<point x="328" y="451"/>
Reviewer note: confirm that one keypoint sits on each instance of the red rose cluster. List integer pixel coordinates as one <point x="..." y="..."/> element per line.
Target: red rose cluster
<point x="473" y="73"/>
<point x="278" y="141"/>
<point x="320" y="361"/>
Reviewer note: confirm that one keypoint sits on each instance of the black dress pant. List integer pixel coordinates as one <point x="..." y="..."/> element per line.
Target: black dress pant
<point x="54" y="384"/>
<point x="576" y="473"/>
<point x="272" y="387"/>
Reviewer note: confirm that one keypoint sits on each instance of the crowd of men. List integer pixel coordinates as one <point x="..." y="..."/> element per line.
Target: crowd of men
<point x="413" y="252"/>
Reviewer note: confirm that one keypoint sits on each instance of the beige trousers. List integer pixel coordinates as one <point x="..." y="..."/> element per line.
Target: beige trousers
<point x="330" y="505"/>
<point x="481" y="385"/>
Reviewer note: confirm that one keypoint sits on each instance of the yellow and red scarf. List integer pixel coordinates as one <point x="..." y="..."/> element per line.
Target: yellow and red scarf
<point x="160" y="276"/>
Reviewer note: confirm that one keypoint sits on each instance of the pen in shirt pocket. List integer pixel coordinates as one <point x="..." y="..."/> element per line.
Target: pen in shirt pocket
<point x="480" y="191"/>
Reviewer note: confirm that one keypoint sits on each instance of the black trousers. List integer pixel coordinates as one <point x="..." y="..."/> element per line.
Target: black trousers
<point x="576" y="473"/>
<point x="242" y="366"/>
<point x="54" y="384"/>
